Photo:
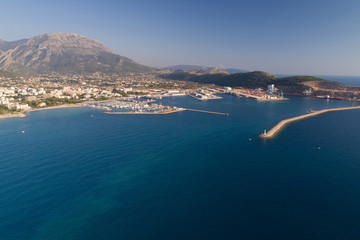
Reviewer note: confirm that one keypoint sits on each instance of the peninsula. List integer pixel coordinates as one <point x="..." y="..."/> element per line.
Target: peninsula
<point x="272" y="132"/>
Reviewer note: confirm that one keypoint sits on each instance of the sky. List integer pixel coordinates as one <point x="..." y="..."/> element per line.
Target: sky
<point x="276" y="36"/>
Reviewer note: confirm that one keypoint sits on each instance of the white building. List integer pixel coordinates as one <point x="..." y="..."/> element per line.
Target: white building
<point x="271" y="88"/>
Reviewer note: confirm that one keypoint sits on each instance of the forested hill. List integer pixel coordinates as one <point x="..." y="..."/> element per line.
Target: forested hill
<point x="247" y="80"/>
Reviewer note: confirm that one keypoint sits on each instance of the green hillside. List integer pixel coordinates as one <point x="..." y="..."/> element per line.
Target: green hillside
<point x="247" y="80"/>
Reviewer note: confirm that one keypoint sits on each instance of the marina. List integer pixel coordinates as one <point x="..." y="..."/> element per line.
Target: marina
<point x="143" y="107"/>
<point x="131" y="106"/>
<point x="165" y="111"/>
<point x="168" y="111"/>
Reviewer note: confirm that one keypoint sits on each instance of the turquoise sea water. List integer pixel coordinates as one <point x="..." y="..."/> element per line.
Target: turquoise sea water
<point x="186" y="175"/>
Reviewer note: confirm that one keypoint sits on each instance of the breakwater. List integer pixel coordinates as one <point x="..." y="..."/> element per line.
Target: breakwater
<point x="218" y="113"/>
<point x="272" y="132"/>
<point x="168" y="111"/>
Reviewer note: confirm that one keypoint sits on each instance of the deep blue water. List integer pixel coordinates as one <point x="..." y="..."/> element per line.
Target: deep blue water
<point x="186" y="175"/>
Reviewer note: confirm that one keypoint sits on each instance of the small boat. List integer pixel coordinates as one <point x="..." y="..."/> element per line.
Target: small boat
<point x="92" y="116"/>
<point x="22" y="131"/>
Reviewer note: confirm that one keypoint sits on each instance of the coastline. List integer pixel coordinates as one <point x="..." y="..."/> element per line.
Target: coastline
<point x="23" y="113"/>
<point x="276" y="129"/>
<point x="56" y="107"/>
<point x="9" y="115"/>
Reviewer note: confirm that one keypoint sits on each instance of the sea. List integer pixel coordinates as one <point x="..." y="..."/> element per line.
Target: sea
<point x="76" y="173"/>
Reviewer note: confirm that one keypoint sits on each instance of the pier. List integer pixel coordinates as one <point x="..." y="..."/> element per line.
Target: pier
<point x="195" y="110"/>
<point x="272" y="132"/>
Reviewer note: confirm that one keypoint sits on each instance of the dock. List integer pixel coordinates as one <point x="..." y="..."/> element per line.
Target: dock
<point x="272" y="132"/>
<point x="256" y="97"/>
<point x="211" y="97"/>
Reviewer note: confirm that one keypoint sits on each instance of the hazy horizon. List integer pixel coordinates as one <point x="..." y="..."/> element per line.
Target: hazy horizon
<point x="280" y="37"/>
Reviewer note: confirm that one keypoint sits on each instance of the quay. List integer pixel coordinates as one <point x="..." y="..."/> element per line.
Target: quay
<point x="262" y="97"/>
<point x="205" y="97"/>
<point x="272" y="132"/>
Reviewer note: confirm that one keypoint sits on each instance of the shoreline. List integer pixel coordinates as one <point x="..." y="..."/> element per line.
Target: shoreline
<point x="9" y="115"/>
<point x="277" y="128"/>
<point x="22" y="114"/>
<point x="57" y="107"/>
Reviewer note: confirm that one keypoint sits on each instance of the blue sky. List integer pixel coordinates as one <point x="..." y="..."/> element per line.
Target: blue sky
<point x="277" y="36"/>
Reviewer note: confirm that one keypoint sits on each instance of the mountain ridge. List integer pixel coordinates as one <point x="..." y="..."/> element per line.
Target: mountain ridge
<point x="6" y="45"/>
<point x="64" y="53"/>
<point x="190" y="68"/>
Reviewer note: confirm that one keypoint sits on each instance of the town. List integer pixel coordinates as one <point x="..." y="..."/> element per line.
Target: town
<point x="23" y="94"/>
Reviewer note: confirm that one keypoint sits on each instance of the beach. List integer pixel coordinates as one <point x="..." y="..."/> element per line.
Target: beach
<point x="22" y="114"/>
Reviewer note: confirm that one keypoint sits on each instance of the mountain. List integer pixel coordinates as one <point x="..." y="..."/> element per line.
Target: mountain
<point x="191" y="68"/>
<point x="209" y="71"/>
<point x="234" y="70"/>
<point x="64" y="53"/>
<point x="186" y="67"/>
<point x="4" y="46"/>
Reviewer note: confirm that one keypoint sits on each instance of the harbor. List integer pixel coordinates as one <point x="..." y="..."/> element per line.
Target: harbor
<point x="272" y="132"/>
<point x="168" y="111"/>
<point x="165" y="111"/>
<point x="125" y="106"/>
<point x="205" y="94"/>
<point x="272" y="93"/>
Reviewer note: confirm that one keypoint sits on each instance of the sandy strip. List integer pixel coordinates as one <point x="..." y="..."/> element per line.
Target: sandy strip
<point x="23" y="113"/>
<point x="9" y="115"/>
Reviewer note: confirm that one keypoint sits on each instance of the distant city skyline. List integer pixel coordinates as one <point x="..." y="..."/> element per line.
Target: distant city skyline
<point x="277" y="36"/>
